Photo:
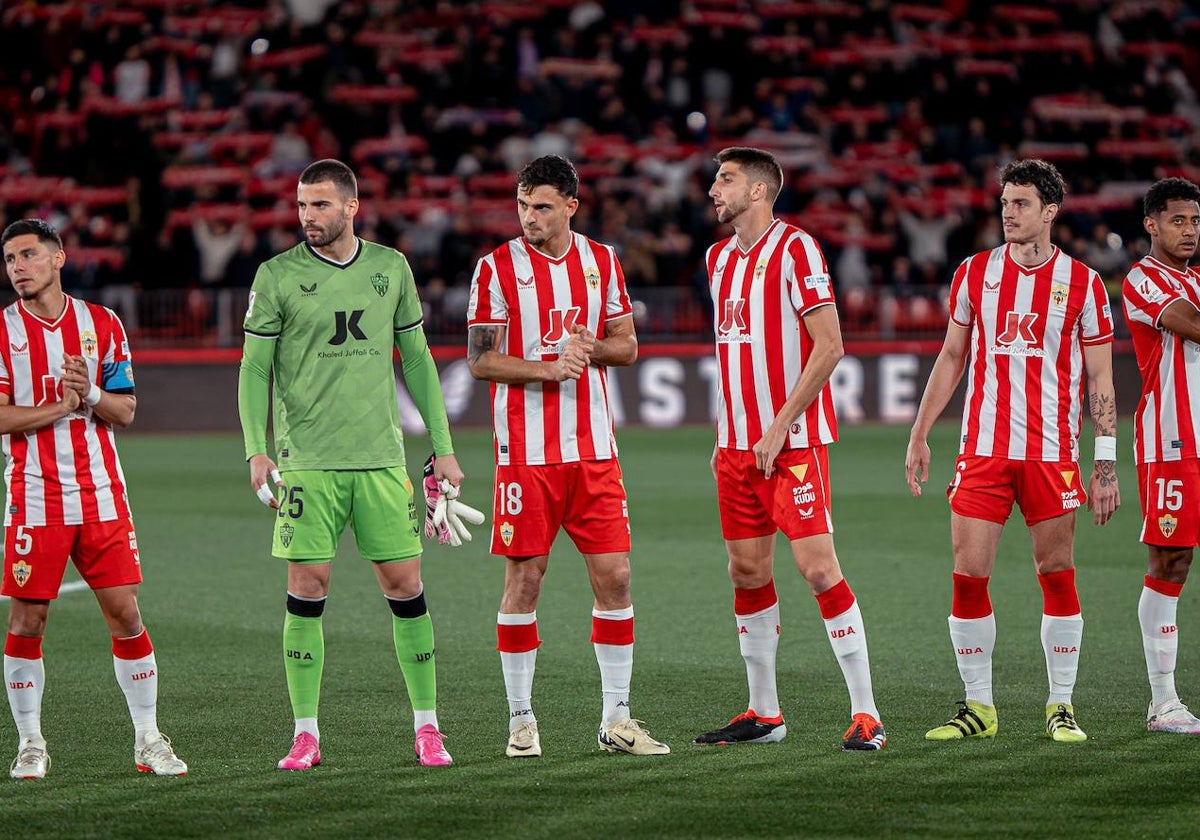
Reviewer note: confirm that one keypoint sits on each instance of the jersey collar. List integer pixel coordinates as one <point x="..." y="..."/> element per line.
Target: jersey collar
<point x="335" y="263"/>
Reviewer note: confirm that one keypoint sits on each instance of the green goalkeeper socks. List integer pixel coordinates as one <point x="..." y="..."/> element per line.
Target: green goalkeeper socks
<point x="303" y="662"/>
<point x="414" y="651"/>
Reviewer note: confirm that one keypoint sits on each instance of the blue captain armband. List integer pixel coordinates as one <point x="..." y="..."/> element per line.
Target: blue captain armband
<point x="117" y="377"/>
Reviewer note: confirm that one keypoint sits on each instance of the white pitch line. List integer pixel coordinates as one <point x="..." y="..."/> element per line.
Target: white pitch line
<point x="69" y="586"/>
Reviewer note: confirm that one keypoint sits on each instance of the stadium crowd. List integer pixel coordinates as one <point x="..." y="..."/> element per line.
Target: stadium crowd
<point x="164" y="138"/>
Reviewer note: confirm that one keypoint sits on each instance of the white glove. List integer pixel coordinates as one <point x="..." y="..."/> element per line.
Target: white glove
<point x="451" y="512"/>
<point x="266" y="492"/>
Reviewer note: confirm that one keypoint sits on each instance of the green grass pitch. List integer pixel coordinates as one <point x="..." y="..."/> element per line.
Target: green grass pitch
<point x="213" y="599"/>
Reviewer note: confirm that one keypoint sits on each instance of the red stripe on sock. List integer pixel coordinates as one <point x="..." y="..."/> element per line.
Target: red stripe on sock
<point x="835" y="600"/>
<point x="750" y="601"/>
<point x="970" y="598"/>
<point x="612" y="631"/>
<point x="1164" y="587"/>
<point x="517" y="638"/>
<point x="137" y="647"/>
<point x="23" y="647"/>
<point x="1059" y="595"/>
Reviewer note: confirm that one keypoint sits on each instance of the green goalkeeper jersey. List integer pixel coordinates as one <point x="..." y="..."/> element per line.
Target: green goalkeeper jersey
<point x="334" y="328"/>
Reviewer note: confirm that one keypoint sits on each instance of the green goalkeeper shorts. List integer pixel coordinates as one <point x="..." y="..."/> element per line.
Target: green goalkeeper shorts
<point x="315" y="506"/>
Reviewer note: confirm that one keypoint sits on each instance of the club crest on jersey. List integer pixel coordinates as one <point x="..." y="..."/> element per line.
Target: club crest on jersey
<point x="87" y="340"/>
<point x="592" y="276"/>
<point x="733" y="328"/>
<point x="1058" y="294"/>
<point x="1167" y="524"/>
<point x="380" y="282"/>
<point x="760" y="269"/>
<point x="286" y="532"/>
<point x="506" y="533"/>
<point x="21" y="572"/>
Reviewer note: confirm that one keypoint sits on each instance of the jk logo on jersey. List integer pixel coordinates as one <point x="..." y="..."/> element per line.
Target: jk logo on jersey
<point x="1018" y="337"/>
<point x="733" y="327"/>
<point x="346" y="325"/>
<point x="562" y="322"/>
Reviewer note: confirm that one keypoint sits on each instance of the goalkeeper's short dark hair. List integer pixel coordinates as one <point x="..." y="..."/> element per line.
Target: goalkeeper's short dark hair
<point x="1042" y="175"/>
<point x="332" y="170"/>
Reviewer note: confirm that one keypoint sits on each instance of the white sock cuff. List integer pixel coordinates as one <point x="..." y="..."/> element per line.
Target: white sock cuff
<point x="1076" y="617"/>
<point x="773" y="609"/>
<point x="622" y="614"/>
<point x="516" y="619"/>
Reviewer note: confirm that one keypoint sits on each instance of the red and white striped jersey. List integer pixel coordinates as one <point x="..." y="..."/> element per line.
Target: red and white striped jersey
<point x="759" y="299"/>
<point x="539" y="300"/>
<point x="1026" y="374"/>
<point x="67" y="473"/>
<point x="1168" y="413"/>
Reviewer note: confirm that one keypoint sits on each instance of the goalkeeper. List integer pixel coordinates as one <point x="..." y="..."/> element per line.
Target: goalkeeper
<point x="322" y="320"/>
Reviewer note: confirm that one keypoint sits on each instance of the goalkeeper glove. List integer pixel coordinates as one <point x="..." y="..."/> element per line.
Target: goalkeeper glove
<point x="444" y="513"/>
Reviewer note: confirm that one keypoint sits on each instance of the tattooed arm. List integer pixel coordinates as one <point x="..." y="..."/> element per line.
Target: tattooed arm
<point x="1104" y="497"/>
<point x="487" y="361"/>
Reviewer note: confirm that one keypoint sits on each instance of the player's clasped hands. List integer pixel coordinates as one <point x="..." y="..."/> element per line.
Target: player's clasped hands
<point x="576" y="354"/>
<point x="75" y="380"/>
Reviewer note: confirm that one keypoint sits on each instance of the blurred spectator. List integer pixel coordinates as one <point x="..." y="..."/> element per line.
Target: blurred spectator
<point x="216" y="243"/>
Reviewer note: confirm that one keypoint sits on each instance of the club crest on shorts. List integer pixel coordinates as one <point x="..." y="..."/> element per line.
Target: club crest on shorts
<point x="1167" y="524"/>
<point x="506" y="533"/>
<point x="286" y="532"/>
<point x="380" y="282"/>
<point x="87" y="341"/>
<point x="21" y="572"/>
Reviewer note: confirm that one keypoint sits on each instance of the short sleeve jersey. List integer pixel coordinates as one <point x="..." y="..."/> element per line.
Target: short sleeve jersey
<point x="1167" y="420"/>
<point x="539" y="300"/>
<point x="67" y="473"/>
<point x="760" y="298"/>
<point x="1026" y="373"/>
<point x="334" y="328"/>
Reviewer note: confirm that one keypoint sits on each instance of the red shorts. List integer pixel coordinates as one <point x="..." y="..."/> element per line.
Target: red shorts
<point x="1168" y="518"/>
<point x="586" y="499"/>
<point x="794" y="500"/>
<point x="35" y="557"/>
<point x="986" y="488"/>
